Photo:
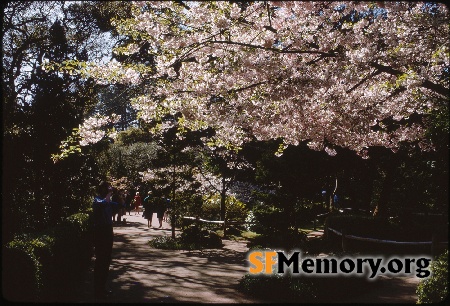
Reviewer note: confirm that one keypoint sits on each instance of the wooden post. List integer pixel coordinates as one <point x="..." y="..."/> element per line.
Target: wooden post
<point x="314" y="224"/>
<point x="224" y="227"/>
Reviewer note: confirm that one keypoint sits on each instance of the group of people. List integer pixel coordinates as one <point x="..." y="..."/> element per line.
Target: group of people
<point x="124" y="199"/>
<point x="127" y="204"/>
<point x="155" y="204"/>
<point x="108" y="204"/>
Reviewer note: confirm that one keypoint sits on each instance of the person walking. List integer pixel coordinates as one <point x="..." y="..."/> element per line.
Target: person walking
<point x="166" y="211"/>
<point x="119" y="211"/>
<point x="148" y="209"/>
<point x="160" y="209"/>
<point x="103" y="237"/>
<point x="137" y="202"/>
<point x="128" y="200"/>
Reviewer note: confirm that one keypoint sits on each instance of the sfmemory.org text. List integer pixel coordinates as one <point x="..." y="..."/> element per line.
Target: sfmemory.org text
<point x="269" y="262"/>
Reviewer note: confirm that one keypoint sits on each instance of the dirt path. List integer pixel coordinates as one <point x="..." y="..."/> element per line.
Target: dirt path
<point x="140" y="274"/>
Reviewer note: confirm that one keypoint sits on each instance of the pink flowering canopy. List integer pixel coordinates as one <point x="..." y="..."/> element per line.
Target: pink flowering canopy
<point x="346" y="74"/>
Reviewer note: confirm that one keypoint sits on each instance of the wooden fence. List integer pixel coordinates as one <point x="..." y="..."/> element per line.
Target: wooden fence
<point x="434" y="243"/>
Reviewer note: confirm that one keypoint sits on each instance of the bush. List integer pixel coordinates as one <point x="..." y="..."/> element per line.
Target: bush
<point x="43" y="266"/>
<point x="201" y="238"/>
<point x="434" y="289"/>
<point x="278" y="288"/>
<point x="235" y="209"/>
<point x="268" y="220"/>
<point x="20" y="275"/>
<point x="33" y="252"/>
<point x="168" y="243"/>
<point x="192" y="238"/>
<point x="74" y="244"/>
<point x="295" y="289"/>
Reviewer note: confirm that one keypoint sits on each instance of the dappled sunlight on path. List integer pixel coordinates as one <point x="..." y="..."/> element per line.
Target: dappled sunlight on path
<point x="141" y="274"/>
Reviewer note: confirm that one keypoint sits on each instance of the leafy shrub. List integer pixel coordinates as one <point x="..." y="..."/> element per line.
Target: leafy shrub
<point x="278" y="288"/>
<point x="278" y="213"/>
<point x="37" y="260"/>
<point x="301" y="289"/>
<point x="168" y="243"/>
<point x="268" y="219"/>
<point x="74" y="244"/>
<point x="20" y="274"/>
<point x="235" y="209"/>
<point x="202" y="238"/>
<point x="33" y="251"/>
<point x="295" y="289"/>
<point x="272" y="225"/>
<point x="434" y="289"/>
<point x="192" y="238"/>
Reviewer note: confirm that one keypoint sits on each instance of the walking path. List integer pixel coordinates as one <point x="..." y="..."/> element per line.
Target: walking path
<point x="141" y="274"/>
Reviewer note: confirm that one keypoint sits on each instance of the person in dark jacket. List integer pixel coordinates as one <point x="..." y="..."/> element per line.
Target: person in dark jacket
<point x="148" y="209"/>
<point x="103" y="237"/>
<point x="160" y="207"/>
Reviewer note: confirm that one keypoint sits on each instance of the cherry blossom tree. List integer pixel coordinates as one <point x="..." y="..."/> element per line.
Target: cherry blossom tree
<point x="332" y="74"/>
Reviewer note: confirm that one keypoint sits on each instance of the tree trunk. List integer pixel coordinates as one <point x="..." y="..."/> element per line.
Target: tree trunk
<point x="387" y="187"/>
<point x="223" y="195"/>
<point x="332" y="205"/>
<point x="173" y="200"/>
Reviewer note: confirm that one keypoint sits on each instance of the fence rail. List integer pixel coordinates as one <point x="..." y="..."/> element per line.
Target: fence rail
<point x="218" y="222"/>
<point x="434" y="243"/>
<point x="383" y="240"/>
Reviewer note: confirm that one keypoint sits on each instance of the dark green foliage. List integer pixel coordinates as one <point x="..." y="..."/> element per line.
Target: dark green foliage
<point x="192" y="238"/>
<point x="297" y="289"/>
<point x="434" y="289"/>
<point x="277" y="219"/>
<point x="169" y="243"/>
<point x="43" y="107"/>
<point x="269" y="220"/>
<point x="74" y="245"/>
<point x="20" y="275"/>
<point x="210" y="210"/>
<point x="127" y="160"/>
<point x="202" y="238"/>
<point x="45" y="266"/>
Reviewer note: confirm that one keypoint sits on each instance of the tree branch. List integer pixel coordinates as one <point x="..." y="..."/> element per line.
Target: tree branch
<point x="363" y="80"/>
<point x="271" y="49"/>
<point x="437" y="88"/>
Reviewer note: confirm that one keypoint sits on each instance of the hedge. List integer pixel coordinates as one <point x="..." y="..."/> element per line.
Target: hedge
<point x="32" y="263"/>
<point x="434" y="289"/>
